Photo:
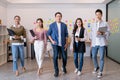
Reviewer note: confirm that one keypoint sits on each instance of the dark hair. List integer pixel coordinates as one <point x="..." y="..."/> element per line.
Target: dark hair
<point x="75" y="25"/>
<point x="40" y="19"/>
<point x="17" y="16"/>
<point x="99" y="10"/>
<point x="58" y="13"/>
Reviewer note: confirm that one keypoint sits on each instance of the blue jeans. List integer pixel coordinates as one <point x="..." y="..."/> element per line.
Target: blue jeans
<point x="94" y="56"/>
<point x="80" y="60"/>
<point x="55" y="57"/>
<point x="17" y="50"/>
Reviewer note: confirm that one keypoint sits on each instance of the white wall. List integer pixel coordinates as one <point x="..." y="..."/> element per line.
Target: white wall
<point x="56" y="1"/>
<point x="3" y="13"/>
<point x="30" y="12"/>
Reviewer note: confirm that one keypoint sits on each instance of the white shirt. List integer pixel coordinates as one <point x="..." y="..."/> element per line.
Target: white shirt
<point x="59" y="34"/>
<point x="97" y="38"/>
<point x="100" y="40"/>
<point x="81" y="39"/>
<point x="77" y="34"/>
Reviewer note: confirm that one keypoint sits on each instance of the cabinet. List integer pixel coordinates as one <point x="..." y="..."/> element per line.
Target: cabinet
<point x="3" y="45"/>
<point x="9" y="52"/>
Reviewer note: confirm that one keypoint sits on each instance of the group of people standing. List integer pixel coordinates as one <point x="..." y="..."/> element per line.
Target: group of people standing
<point x="58" y="35"/>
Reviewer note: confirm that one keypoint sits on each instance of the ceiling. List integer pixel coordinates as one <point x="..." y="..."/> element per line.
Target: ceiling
<point x="54" y="1"/>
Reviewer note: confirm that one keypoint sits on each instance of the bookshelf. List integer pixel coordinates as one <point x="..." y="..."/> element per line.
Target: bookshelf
<point x="3" y="45"/>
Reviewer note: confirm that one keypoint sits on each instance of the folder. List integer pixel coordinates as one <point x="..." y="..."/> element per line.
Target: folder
<point x="11" y="32"/>
<point x="102" y="29"/>
<point x="32" y="33"/>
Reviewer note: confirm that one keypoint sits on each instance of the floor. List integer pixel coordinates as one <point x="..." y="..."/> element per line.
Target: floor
<point x="111" y="71"/>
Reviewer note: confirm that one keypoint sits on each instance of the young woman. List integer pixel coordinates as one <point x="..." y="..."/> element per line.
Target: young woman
<point x="40" y="42"/>
<point x="17" y="44"/>
<point x="78" y="43"/>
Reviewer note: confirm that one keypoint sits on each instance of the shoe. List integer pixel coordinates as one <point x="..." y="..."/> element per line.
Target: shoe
<point x="95" y="70"/>
<point x="64" y="70"/>
<point x="99" y="75"/>
<point x="23" y="69"/>
<point x="41" y="69"/>
<point x="79" y="73"/>
<point x="76" y="70"/>
<point x="17" y="73"/>
<point x="38" y="72"/>
<point x="56" y="74"/>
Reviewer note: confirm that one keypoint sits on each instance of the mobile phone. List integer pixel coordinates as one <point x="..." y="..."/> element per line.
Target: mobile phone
<point x="76" y="36"/>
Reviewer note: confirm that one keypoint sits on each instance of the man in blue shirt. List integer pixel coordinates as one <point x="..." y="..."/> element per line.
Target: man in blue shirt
<point x="58" y="35"/>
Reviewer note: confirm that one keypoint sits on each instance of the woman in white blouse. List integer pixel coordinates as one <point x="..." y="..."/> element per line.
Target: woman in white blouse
<point x="78" y="45"/>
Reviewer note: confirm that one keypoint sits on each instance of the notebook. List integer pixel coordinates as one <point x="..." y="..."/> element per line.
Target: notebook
<point x="32" y="33"/>
<point x="102" y="29"/>
<point x="11" y="32"/>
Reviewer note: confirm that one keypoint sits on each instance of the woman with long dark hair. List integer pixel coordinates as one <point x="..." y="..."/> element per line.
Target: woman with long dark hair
<point x="78" y="43"/>
<point x="40" y="42"/>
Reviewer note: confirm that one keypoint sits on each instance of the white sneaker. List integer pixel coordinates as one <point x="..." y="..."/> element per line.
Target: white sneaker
<point x="95" y="70"/>
<point x="76" y="70"/>
<point x="79" y="73"/>
<point x="99" y="75"/>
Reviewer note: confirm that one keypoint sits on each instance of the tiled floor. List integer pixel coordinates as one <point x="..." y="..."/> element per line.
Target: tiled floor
<point x="111" y="71"/>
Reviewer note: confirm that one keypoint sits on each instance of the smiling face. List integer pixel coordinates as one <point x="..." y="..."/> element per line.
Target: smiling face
<point x="79" y="23"/>
<point x="98" y="15"/>
<point x="39" y="23"/>
<point x="17" y="20"/>
<point x="58" y="17"/>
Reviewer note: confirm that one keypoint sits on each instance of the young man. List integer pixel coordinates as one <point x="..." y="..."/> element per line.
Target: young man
<point x="98" y="42"/>
<point x="58" y="35"/>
